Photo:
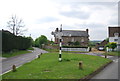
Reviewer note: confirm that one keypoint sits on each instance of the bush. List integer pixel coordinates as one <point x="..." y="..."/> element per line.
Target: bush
<point x="11" y="42"/>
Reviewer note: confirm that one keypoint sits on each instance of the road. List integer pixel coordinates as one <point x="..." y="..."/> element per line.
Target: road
<point x="109" y="72"/>
<point x="20" y="60"/>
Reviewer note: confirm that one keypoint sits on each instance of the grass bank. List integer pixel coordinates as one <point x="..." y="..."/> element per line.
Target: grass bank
<point x="15" y="53"/>
<point x="112" y="53"/>
<point x="48" y="67"/>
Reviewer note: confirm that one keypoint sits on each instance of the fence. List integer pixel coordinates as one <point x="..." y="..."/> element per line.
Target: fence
<point x="76" y="49"/>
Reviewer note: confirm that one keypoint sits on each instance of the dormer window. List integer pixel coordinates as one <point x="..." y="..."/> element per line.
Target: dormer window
<point x="116" y="34"/>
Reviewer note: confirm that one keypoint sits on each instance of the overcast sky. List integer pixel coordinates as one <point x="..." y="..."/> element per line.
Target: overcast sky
<point x="41" y="17"/>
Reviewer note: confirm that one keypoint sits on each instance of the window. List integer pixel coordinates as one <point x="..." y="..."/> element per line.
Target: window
<point x="73" y="39"/>
<point x="115" y="39"/>
<point x="116" y="34"/>
<point x="82" y="40"/>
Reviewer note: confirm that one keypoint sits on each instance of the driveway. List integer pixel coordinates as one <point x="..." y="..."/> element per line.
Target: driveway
<point x="19" y="60"/>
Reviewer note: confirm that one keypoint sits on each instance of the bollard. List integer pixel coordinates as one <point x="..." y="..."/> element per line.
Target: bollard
<point x="14" y="68"/>
<point x="38" y="56"/>
<point x="80" y="65"/>
<point x="41" y="53"/>
<point x="105" y="55"/>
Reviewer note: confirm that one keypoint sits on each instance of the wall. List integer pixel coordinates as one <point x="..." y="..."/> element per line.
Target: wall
<point x="83" y="40"/>
<point x="76" y="49"/>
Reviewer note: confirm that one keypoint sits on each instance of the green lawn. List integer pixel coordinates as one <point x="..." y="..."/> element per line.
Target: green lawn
<point x="15" y="53"/>
<point x="48" y="67"/>
<point x="31" y="48"/>
<point x="113" y="53"/>
<point x="52" y="50"/>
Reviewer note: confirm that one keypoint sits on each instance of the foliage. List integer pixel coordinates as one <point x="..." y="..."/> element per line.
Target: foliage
<point x="112" y="45"/>
<point x="11" y="42"/>
<point x="40" y="41"/>
<point x="48" y="67"/>
<point x="70" y="43"/>
<point x="112" y="53"/>
<point x="76" y="43"/>
<point x="16" y="25"/>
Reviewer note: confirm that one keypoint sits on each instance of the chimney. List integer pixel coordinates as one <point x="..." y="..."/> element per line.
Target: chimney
<point x="56" y="30"/>
<point x="87" y="30"/>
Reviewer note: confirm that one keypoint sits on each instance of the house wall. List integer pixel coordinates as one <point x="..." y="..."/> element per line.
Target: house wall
<point x="112" y="39"/>
<point x="83" y="40"/>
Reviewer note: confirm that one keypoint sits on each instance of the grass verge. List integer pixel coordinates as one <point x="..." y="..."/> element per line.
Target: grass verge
<point x="7" y="55"/>
<point x="112" y="53"/>
<point x="48" y="67"/>
<point x="31" y="48"/>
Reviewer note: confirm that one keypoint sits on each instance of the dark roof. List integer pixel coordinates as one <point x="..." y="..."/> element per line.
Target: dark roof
<point x="74" y="33"/>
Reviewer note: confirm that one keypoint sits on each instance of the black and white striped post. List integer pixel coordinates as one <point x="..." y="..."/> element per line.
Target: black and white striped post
<point x="60" y="44"/>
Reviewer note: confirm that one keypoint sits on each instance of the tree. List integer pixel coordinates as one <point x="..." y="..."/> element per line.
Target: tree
<point x="76" y="43"/>
<point x="112" y="45"/>
<point x="16" y="25"/>
<point x="40" y="41"/>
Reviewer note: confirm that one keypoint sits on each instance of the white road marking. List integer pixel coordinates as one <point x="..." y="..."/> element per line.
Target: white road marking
<point x="115" y="60"/>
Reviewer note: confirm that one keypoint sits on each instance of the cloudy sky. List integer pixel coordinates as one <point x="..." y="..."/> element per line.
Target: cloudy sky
<point x="41" y="17"/>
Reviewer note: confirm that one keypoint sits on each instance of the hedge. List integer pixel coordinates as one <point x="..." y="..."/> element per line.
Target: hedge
<point x="11" y="42"/>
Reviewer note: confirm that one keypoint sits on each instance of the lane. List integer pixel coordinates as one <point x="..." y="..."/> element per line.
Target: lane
<point x="20" y="59"/>
<point x="111" y="71"/>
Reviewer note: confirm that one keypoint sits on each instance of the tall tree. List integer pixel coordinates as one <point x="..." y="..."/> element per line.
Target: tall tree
<point x="16" y="25"/>
<point x="41" y="40"/>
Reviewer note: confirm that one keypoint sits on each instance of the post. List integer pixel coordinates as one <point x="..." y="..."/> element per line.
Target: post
<point x="38" y="56"/>
<point x="60" y="51"/>
<point x="80" y="65"/>
<point x="14" y="68"/>
<point x="106" y="52"/>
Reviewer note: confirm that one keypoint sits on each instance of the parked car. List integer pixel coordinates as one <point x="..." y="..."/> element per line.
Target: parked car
<point x="101" y="48"/>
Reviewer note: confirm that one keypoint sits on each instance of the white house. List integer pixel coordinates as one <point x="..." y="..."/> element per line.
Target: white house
<point x="114" y="36"/>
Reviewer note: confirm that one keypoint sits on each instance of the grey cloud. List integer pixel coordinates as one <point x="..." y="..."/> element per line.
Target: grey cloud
<point x="76" y="14"/>
<point x="47" y="19"/>
<point x="91" y="25"/>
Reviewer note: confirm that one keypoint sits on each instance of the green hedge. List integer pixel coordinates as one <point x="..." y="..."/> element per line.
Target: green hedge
<point x="11" y="42"/>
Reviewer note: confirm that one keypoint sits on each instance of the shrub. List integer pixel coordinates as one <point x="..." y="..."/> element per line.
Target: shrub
<point x="11" y="42"/>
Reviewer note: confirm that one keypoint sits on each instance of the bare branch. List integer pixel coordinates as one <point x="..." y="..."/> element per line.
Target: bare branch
<point x="16" y="25"/>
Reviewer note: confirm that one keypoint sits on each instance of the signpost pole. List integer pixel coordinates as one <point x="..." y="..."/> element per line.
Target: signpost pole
<point x="60" y="44"/>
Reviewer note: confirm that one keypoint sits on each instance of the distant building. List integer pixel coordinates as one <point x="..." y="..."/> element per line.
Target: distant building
<point x="101" y="44"/>
<point x="72" y="36"/>
<point x="114" y="35"/>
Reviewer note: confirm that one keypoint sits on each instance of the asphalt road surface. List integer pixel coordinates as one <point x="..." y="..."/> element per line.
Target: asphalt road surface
<point x="19" y="60"/>
<point x="111" y="71"/>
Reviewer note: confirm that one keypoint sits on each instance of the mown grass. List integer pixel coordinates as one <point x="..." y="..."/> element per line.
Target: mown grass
<point x="48" y="67"/>
<point x="15" y="53"/>
<point x="31" y="48"/>
<point x="112" y="53"/>
<point x="52" y="50"/>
